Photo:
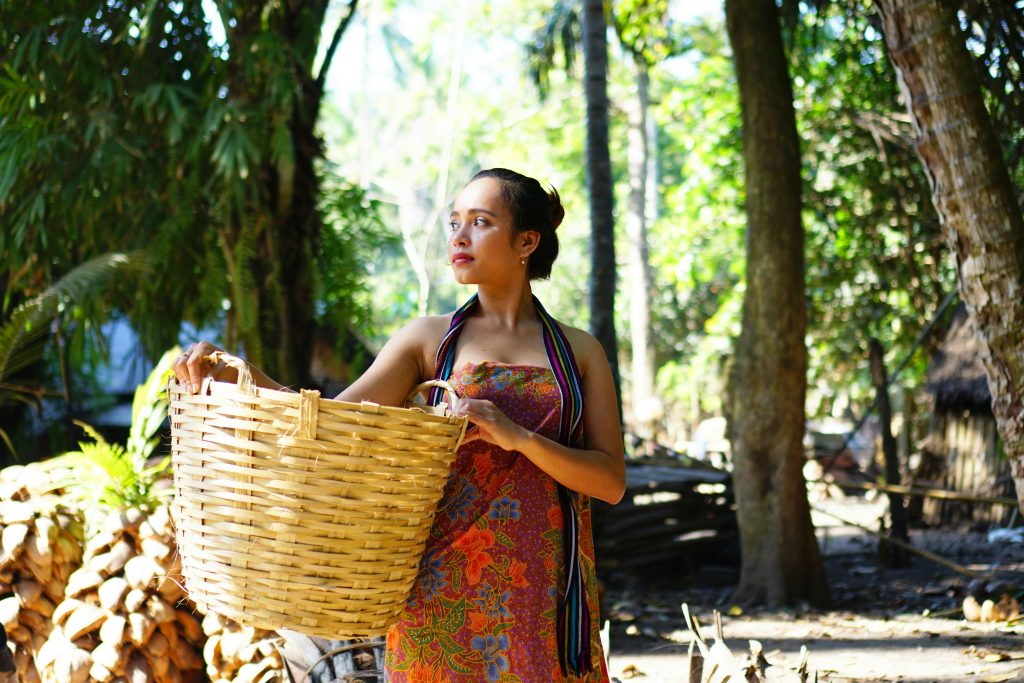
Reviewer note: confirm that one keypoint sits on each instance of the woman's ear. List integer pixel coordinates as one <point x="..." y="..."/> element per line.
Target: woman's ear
<point x="528" y="240"/>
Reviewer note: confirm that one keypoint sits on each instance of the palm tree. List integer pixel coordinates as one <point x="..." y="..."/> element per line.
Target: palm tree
<point x="599" y="181"/>
<point x="973" y="193"/>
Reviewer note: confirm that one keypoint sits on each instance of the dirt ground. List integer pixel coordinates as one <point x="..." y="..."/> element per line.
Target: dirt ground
<point x="885" y="625"/>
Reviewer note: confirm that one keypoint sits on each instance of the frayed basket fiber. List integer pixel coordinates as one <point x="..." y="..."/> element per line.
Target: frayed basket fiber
<point x="304" y="513"/>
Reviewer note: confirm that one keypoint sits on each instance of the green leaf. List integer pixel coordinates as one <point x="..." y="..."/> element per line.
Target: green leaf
<point x="455" y="619"/>
<point x="453" y="663"/>
<point x="449" y="646"/>
<point x="422" y="636"/>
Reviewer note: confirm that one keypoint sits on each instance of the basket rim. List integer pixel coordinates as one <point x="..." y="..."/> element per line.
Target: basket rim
<point x="222" y="388"/>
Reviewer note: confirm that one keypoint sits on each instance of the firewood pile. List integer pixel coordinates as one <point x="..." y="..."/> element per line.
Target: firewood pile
<point x="121" y="614"/>
<point x="666" y="517"/>
<point x="94" y="595"/>
<point x="41" y="547"/>
<point x="242" y="654"/>
<point x="716" y="663"/>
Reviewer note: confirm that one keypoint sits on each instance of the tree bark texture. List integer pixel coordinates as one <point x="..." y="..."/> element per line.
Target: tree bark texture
<point x="781" y="560"/>
<point x="287" y="226"/>
<point x="972" y="192"/>
<point x="599" y="181"/>
<point x="644" y="402"/>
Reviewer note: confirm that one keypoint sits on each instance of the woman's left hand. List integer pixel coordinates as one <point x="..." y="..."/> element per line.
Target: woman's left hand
<point x="492" y="425"/>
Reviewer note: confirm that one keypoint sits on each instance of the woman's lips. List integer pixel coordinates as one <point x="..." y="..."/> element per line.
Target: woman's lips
<point x="461" y="259"/>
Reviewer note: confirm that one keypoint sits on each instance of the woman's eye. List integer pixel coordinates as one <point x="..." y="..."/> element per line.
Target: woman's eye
<point x="480" y="221"/>
<point x="453" y="226"/>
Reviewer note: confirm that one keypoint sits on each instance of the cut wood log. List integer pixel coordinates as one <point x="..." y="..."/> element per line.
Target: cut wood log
<point x="85" y="619"/>
<point x="112" y="592"/>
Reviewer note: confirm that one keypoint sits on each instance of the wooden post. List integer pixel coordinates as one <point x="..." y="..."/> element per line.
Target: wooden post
<point x="892" y="555"/>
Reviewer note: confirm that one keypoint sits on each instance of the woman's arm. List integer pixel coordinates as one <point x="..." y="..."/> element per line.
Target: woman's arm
<point x="193" y="365"/>
<point x="398" y="368"/>
<point x="400" y="365"/>
<point x="599" y="468"/>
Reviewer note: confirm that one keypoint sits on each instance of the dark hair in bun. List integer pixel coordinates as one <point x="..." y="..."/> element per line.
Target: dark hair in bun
<point x="532" y="208"/>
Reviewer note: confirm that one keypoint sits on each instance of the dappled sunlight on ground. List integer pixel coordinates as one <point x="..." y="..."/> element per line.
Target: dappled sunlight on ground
<point x="886" y="625"/>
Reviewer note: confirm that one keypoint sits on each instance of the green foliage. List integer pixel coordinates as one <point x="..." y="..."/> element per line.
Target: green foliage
<point x="101" y="150"/>
<point x="646" y="29"/>
<point x="697" y="241"/>
<point x="125" y="125"/>
<point x="25" y="332"/>
<point x="877" y="264"/>
<point x="354" y="245"/>
<point x="558" y="28"/>
<point x="115" y="476"/>
<point x="28" y="324"/>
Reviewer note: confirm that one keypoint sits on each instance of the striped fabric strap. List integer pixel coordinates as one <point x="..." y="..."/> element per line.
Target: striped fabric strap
<point x="446" y="351"/>
<point x="573" y="612"/>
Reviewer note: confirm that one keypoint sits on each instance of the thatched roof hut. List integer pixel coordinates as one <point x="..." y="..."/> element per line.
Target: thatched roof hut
<point x="963" y="450"/>
<point x="956" y="377"/>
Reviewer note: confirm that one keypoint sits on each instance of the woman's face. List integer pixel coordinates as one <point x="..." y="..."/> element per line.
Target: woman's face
<point x="483" y="245"/>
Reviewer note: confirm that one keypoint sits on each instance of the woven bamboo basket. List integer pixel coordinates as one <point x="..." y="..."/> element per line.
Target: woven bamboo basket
<point x="304" y="513"/>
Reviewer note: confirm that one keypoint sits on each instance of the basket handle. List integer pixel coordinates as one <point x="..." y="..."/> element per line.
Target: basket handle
<point x="430" y="384"/>
<point x="245" y="381"/>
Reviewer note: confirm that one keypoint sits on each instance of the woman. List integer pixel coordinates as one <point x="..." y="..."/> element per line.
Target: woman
<point x="506" y="589"/>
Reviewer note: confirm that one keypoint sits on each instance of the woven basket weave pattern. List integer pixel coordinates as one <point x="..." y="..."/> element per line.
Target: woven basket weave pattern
<point x="298" y="512"/>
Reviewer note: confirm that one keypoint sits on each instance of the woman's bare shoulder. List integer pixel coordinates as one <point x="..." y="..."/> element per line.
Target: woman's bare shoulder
<point x="584" y="345"/>
<point x="422" y="336"/>
<point x="431" y="325"/>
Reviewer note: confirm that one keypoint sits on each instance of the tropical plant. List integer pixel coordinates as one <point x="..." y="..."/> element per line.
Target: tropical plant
<point x="115" y="476"/>
<point x="24" y="334"/>
<point x="187" y="128"/>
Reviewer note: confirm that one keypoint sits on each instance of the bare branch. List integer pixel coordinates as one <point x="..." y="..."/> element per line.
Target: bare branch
<point x="321" y="78"/>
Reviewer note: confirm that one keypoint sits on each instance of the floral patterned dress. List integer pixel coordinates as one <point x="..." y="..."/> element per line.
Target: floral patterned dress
<point x="484" y="605"/>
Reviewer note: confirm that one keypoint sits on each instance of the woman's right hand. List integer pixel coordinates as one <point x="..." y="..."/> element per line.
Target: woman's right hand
<point x="192" y="366"/>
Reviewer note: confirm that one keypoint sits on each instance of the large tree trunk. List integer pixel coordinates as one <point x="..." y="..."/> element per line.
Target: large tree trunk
<point x="973" y="194"/>
<point x="644" y="403"/>
<point x="274" y="243"/>
<point x="599" y="181"/>
<point x="781" y="560"/>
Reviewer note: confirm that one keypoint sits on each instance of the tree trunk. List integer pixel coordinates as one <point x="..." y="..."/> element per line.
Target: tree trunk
<point x="781" y="560"/>
<point x="972" y="192"/>
<point x="889" y="554"/>
<point x="285" y="225"/>
<point x="599" y="182"/>
<point x="287" y="323"/>
<point x="644" y="402"/>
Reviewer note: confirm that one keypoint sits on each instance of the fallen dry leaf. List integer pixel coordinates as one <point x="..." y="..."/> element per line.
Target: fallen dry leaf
<point x="1000" y="678"/>
<point x="632" y="672"/>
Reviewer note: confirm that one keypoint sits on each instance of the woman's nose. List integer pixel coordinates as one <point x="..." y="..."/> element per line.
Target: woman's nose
<point x="458" y="236"/>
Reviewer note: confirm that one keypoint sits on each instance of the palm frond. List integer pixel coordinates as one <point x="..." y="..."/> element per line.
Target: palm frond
<point x="561" y="29"/>
<point x="22" y="335"/>
<point x="97" y="474"/>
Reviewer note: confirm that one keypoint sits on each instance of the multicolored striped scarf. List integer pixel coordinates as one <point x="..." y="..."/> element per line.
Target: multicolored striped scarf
<point x="573" y="611"/>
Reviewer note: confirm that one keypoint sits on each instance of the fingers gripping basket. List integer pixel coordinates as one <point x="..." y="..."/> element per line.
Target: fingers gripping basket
<point x="298" y="512"/>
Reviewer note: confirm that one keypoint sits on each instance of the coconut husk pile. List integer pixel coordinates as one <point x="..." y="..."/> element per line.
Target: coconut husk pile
<point x="96" y="595"/>
<point x="41" y="547"/>
<point x="715" y="663"/>
<point x="123" y="615"/>
<point x="241" y="654"/>
<point x="1005" y="608"/>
